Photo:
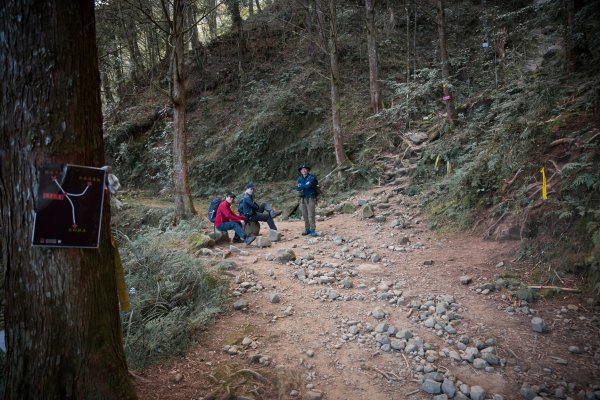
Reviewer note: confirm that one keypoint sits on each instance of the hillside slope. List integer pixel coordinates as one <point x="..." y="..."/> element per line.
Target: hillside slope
<point x="519" y="109"/>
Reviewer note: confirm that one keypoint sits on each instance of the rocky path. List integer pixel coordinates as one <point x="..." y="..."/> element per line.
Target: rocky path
<point x="379" y="307"/>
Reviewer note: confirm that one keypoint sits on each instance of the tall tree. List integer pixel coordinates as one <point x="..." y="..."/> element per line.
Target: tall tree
<point x="212" y="18"/>
<point x="445" y="61"/>
<point x="236" y="21"/>
<point x="336" y="126"/>
<point x="61" y="315"/>
<point x="376" y="101"/>
<point x="130" y="34"/>
<point x="184" y="207"/>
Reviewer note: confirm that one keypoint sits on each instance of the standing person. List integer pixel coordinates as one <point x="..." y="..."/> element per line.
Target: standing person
<point x="226" y="220"/>
<point x="253" y="212"/>
<point x="307" y="185"/>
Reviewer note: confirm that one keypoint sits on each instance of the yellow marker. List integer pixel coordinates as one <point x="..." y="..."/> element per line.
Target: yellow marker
<point x="437" y="160"/>
<point x="448" y="168"/>
<point x="544" y="187"/>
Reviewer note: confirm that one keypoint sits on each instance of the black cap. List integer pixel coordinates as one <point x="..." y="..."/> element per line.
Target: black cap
<point x="230" y="194"/>
<point x="250" y="185"/>
<point x="304" y="166"/>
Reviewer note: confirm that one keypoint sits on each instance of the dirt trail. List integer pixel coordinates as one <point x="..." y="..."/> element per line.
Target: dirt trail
<point x="307" y="340"/>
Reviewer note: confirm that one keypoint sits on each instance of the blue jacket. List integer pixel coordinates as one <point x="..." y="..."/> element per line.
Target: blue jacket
<point x="247" y="206"/>
<point x="307" y="186"/>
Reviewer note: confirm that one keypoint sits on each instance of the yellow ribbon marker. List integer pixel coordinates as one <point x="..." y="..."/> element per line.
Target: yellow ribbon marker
<point x="544" y="186"/>
<point x="448" y="168"/>
<point x="120" y="275"/>
<point x="437" y="160"/>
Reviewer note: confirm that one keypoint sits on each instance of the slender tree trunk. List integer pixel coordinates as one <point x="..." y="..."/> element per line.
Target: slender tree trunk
<point x="236" y="19"/>
<point x="308" y="17"/>
<point x="406" y="10"/>
<point x="212" y="18"/>
<point x="336" y="126"/>
<point x="250" y="7"/>
<point x="129" y="32"/>
<point x="391" y="20"/>
<point x="184" y="207"/>
<point x="258" y="6"/>
<point x="61" y="315"/>
<point x="445" y="61"/>
<point x="195" y="38"/>
<point x="415" y="46"/>
<point x="376" y="101"/>
<point x="108" y="96"/>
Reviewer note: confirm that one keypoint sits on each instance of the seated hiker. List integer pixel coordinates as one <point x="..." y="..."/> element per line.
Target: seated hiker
<point x="226" y="220"/>
<point x="253" y="212"/>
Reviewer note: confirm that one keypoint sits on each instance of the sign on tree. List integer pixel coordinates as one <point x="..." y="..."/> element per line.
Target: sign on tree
<point x="69" y="206"/>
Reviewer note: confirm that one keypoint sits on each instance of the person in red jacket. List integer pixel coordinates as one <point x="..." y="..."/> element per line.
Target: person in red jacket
<point x="226" y="220"/>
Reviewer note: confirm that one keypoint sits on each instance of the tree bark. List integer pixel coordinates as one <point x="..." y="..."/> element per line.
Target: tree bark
<point x="445" y="62"/>
<point x="336" y="126"/>
<point x="62" y="318"/>
<point x="129" y="32"/>
<point x="251" y="7"/>
<point x="184" y="207"/>
<point x="236" y="20"/>
<point x="108" y="96"/>
<point x="193" y="16"/>
<point x="212" y="18"/>
<point x="258" y="6"/>
<point x="376" y="101"/>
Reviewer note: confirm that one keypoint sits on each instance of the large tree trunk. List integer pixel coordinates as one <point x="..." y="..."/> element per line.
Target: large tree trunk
<point x="184" y="207"/>
<point x="336" y="125"/>
<point x="372" y="49"/>
<point x="62" y="317"/>
<point x="445" y="61"/>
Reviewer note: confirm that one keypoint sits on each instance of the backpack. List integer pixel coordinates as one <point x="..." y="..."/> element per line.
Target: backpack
<point x="212" y="209"/>
<point x="317" y="188"/>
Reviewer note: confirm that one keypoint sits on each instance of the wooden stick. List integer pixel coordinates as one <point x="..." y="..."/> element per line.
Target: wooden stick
<point x="554" y="287"/>
<point x="563" y="140"/>
<point x="413" y="392"/>
<point x="407" y="364"/>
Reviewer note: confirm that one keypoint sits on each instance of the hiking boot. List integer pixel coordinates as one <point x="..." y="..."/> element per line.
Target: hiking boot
<point x="306" y="232"/>
<point x="275" y="214"/>
<point x="248" y="240"/>
<point x="313" y="233"/>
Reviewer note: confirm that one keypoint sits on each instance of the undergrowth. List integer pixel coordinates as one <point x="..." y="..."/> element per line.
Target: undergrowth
<point x="172" y="295"/>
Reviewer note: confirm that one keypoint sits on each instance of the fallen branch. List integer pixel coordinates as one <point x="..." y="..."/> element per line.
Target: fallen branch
<point x="389" y="376"/>
<point x="407" y="364"/>
<point x="489" y="231"/>
<point x="563" y="140"/>
<point x="593" y="138"/>
<point x="554" y="287"/>
<point x="512" y="180"/>
<point x="413" y="392"/>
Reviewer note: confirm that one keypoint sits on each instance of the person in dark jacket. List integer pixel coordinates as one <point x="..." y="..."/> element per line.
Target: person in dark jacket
<point x="307" y="186"/>
<point x="253" y="212"/>
<point x="226" y="220"/>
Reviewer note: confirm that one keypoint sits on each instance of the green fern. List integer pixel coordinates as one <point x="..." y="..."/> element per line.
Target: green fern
<point x="587" y="180"/>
